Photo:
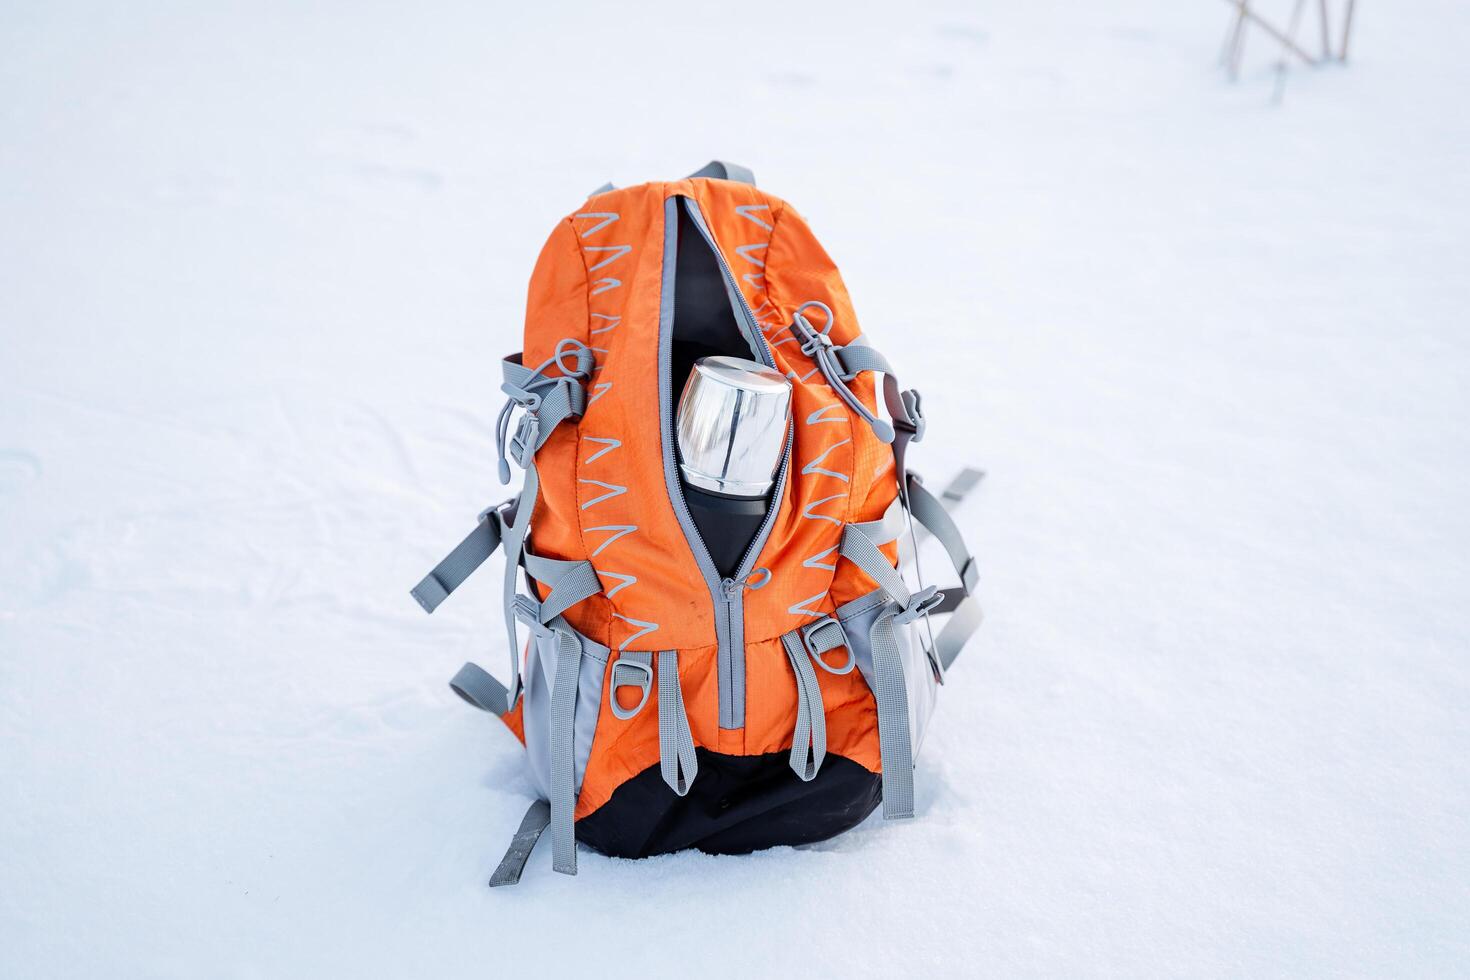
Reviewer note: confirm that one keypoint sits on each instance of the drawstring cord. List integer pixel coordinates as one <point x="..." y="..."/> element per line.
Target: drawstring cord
<point x="817" y="344"/>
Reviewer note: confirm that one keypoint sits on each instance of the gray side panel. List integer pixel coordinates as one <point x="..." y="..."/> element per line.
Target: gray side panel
<point x="857" y="619"/>
<point x="540" y="675"/>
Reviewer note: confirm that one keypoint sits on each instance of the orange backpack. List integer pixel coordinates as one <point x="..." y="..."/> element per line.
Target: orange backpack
<point x="663" y="705"/>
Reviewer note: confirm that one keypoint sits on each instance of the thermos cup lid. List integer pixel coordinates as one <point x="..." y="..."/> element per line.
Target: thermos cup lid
<point x="733" y="419"/>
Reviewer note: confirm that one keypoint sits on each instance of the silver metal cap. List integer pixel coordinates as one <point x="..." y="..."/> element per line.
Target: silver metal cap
<point x="732" y="424"/>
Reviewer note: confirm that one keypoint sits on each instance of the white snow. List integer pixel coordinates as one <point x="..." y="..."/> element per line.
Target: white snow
<point x="257" y="264"/>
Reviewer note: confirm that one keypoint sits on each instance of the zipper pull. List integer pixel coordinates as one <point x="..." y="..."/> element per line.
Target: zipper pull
<point x="731" y="588"/>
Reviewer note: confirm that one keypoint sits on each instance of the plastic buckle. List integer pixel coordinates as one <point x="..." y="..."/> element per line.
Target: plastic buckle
<point x="920" y="603"/>
<point x="915" y="423"/>
<point x="645" y="684"/>
<point x="528" y="611"/>
<point x="523" y="443"/>
<point x="499" y="512"/>
<point x="808" y="634"/>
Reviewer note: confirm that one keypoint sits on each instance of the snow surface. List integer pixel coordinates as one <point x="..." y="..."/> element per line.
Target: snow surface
<point x="257" y="264"/>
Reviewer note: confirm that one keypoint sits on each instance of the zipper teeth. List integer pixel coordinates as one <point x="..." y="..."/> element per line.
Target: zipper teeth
<point x="701" y="550"/>
<point x="756" y="543"/>
<point x="702" y="556"/>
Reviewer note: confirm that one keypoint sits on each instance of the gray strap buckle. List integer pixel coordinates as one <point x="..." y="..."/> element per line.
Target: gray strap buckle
<point x="523" y="443"/>
<point x="528" y="611"/>
<point x="644" y="682"/>
<point x="499" y="512"/>
<point x="818" y="645"/>
<point x="920" y="603"/>
<point x="915" y="423"/>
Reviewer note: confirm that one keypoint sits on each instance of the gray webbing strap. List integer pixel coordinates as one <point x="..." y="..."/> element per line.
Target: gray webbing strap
<point x="908" y="419"/>
<point x="513" y="541"/>
<point x="930" y="511"/>
<point x="553" y="401"/>
<point x="890" y="691"/>
<point x="570" y="582"/>
<point x="859" y="356"/>
<point x="676" y="759"/>
<point x="895" y="747"/>
<point x="809" y="738"/>
<point x="508" y="872"/>
<point x="964" y="481"/>
<point x="887" y="528"/>
<point x="962" y="625"/>
<point x="477" y="687"/>
<point x="723" y="170"/>
<point x="459" y="564"/>
<point x="859" y="549"/>
<point x="563" y="761"/>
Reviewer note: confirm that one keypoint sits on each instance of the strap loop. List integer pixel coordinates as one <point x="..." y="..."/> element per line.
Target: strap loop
<point x="921" y="602"/>
<point x="809" y="736"/>
<point x="677" y="760"/>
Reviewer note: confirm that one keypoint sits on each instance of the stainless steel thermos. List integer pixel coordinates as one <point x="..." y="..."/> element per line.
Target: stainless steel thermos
<point x="733" y="422"/>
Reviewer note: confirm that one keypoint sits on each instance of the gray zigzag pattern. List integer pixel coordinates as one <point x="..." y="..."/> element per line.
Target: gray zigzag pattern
<point x="606" y="284"/>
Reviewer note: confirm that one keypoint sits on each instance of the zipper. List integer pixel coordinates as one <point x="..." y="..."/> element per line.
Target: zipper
<point x="727" y="593"/>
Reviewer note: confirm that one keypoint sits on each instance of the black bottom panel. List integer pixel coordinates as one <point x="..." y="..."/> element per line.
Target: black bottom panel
<point x="737" y="804"/>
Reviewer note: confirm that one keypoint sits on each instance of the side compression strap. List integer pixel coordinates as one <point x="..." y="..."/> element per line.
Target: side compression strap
<point x="895" y="747"/>
<point x="569" y="581"/>
<point x="538" y="815"/>
<point x="563" y="752"/>
<point x="930" y="511"/>
<point x="479" y="689"/>
<point x="460" y="563"/>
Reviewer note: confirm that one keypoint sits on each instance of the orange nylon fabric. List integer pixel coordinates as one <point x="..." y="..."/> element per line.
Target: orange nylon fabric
<point x="603" y="494"/>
